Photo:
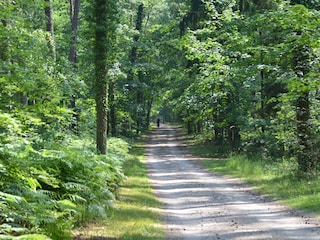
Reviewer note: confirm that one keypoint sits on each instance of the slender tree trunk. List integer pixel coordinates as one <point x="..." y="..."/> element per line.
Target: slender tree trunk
<point x="262" y="100"/>
<point x="307" y="165"/>
<point x="4" y="44"/>
<point x="218" y="132"/>
<point x="49" y="27"/>
<point x="132" y="6"/>
<point x="189" y="123"/>
<point x="74" y="19"/>
<point x="133" y="57"/>
<point x="139" y="96"/>
<point x="262" y="90"/>
<point x="149" y="106"/>
<point x="100" y="75"/>
<point x="140" y="99"/>
<point x="113" y="119"/>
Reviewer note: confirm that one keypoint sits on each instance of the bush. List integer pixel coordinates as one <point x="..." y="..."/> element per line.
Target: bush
<point x="47" y="191"/>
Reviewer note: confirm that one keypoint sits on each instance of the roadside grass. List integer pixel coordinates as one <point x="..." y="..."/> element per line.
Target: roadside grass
<point x="272" y="178"/>
<point x="136" y="214"/>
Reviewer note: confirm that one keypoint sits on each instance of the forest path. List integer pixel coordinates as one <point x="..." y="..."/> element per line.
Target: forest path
<point x="197" y="204"/>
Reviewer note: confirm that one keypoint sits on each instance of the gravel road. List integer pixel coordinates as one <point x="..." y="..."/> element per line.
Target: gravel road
<point x="197" y="204"/>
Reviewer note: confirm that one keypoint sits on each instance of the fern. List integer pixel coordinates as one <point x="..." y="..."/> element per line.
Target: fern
<point x="7" y="228"/>
<point x="46" y="187"/>
<point x="75" y="198"/>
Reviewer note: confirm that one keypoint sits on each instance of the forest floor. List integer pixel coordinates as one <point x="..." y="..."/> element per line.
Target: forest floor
<point x="197" y="204"/>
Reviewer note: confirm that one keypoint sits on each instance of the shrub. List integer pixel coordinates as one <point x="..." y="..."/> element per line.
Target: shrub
<point x="47" y="191"/>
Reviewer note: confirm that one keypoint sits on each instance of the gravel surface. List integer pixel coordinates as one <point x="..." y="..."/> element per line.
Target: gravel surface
<point x="197" y="204"/>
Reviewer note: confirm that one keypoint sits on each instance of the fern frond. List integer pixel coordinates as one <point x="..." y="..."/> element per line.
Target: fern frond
<point x="11" y="228"/>
<point x="74" y="186"/>
<point x="75" y="198"/>
<point x="6" y="197"/>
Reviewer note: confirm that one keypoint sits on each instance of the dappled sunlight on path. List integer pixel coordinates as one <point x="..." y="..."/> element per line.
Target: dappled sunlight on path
<point x="201" y="205"/>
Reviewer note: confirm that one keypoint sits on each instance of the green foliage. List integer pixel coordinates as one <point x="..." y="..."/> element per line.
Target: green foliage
<point x="51" y="178"/>
<point x="245" y="74"/>
<point x="51" y="189"/>
<point x="232" y="71"/>
<point x="135" y="215"/>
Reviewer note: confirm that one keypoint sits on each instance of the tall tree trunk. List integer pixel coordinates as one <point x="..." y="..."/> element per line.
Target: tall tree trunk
<point x="100" y="75"/>
<point x="307" y="164"/>
<point x="148" y="117"/>
<point x="49" y="27"/>
<point x="262" y="100"/>
<point x="132" y="6"/>
<point x="133" y="57"/>
<point x="74" y="19"/>
<point x="140" y="100"/>
<point x="113" y="119"/>
<point x="189" y="123"/>
<point x="139" y="94"/>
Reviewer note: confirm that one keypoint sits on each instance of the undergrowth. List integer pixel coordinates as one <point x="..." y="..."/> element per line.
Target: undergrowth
<point x="135" y="215"/>
<point x="46" y="191"/>
<point x="276" y="178"/>
<point x="273" y="178"/>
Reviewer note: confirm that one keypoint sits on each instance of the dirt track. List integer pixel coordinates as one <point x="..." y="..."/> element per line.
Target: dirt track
<point x="201" y="205"/>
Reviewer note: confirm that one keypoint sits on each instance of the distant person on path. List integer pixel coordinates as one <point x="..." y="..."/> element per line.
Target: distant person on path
<point x="158" y="122"/>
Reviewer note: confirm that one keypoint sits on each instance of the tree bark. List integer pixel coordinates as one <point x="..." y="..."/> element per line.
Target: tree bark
<point x="133" y="57"/>
<point x="149" y="107"/>
<point x="74" y="19"/>
<point x="307" y="165"/>
<point x="100" y="75"/>
<point x="113" y="118"/>
<point x="49" y="26"/>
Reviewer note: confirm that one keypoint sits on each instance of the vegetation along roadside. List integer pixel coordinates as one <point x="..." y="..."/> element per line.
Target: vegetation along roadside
<point x="50" y="190"/>
<point x="270" y="177"/>
<point x="135" y="215"/>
